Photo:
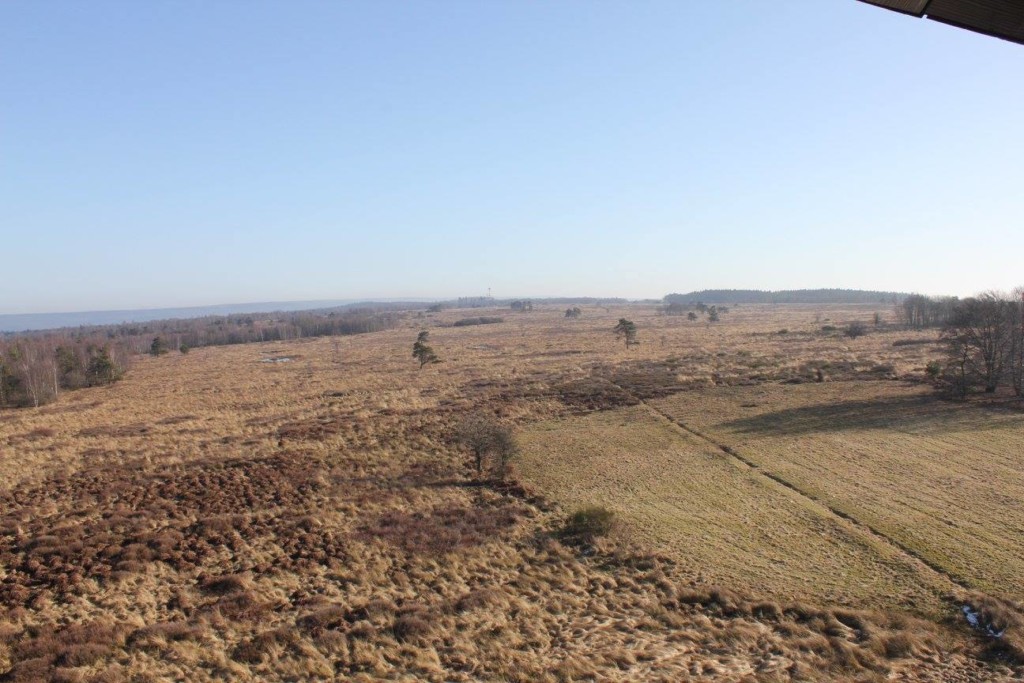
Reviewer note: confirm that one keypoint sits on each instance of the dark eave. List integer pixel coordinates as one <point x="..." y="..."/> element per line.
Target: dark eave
<point x="1000" y="18"/>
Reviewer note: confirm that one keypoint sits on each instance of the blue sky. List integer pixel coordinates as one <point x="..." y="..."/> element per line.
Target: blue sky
<point x="190" y="153"/>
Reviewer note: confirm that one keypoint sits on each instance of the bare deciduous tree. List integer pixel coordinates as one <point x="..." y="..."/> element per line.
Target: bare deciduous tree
<point x="980" y="339"/>
<point x="489" y="441"/>
<point x="1016" y="359"/>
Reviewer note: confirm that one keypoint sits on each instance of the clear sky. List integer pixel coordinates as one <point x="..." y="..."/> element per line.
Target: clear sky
<point x="189" y="153"/>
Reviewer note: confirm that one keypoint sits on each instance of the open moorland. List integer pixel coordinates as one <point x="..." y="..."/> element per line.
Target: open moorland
<point x="792" y="504"/>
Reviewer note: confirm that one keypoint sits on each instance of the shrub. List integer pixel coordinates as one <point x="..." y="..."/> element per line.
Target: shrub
<point x="224" y="585"/>
<point x="158" y="347"/>
<point x="897" y="645"/>
<point x="410" y="626"/>
<point x="855" y="329"/>
<point x="675" y="308"/>
<point x="481" y="320"/>
<point x="589" y="523"/>
<point x="83" y="654"/>
<point x="477" y="599"/>
<point x="912" y="342"/>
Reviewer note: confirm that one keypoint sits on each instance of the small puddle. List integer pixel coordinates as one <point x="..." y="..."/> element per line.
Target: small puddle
<point x="975" y="620"/>
<point x="278" y="359"/>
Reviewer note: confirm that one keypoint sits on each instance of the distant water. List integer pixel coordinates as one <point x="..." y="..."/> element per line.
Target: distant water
<point x="19" y="322"/>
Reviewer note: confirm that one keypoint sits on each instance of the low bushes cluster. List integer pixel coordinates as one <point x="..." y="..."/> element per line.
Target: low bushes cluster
<point x="480" y="320"/>
<point x="587" y="524"/>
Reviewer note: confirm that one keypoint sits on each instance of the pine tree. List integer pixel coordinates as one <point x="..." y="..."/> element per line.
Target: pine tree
<point x="422" y="352"/>
<point x="101" y="369"/>
<point x="627" y="329"/>
<point x="158" y="347"/>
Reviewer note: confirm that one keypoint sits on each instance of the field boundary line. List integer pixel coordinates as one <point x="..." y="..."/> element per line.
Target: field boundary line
<point x="771" y="476"/>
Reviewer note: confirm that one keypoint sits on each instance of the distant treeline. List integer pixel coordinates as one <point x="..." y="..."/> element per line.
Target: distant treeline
<point x="788" y="296"/>
<point x="245" y="329"/>
<point x="10" y="322"/>
<point x="918" y="310"/>
<point x="36" y="366"/>
<point x="582" y="300"/>
<point x="491" y="302"/>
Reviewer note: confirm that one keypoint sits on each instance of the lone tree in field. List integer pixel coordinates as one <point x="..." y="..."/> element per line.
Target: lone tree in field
<point x="422" y="352"/>
<point x="626" y="329"/>
<point x="713" y="314"/>
<point x="573" y="312"/>
<point x="488" y="440"/>
<point x="691" y="316"/>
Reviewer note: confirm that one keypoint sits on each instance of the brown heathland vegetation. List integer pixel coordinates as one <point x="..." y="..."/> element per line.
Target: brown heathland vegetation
<point x="216" y="517"/>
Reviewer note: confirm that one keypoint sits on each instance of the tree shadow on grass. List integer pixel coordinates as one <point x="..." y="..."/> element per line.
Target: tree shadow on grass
<point x="920" y="414"/>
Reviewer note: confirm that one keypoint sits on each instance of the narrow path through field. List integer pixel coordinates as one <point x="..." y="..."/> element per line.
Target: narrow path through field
<point x="731" y="452"/>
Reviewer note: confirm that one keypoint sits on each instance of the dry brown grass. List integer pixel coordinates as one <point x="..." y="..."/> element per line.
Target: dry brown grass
<point x="942" y="479"/>
<point x="721" y="520"/>
<point x="212" y="517"/>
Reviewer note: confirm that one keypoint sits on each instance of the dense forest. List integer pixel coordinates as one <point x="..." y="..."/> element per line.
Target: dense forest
<point x="788" y="296"/>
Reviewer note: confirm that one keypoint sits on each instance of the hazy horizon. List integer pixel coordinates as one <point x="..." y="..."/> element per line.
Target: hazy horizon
<point x="340" y="301"/>
<point x="181" y="155"/>
<point x="9" y="321"/>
